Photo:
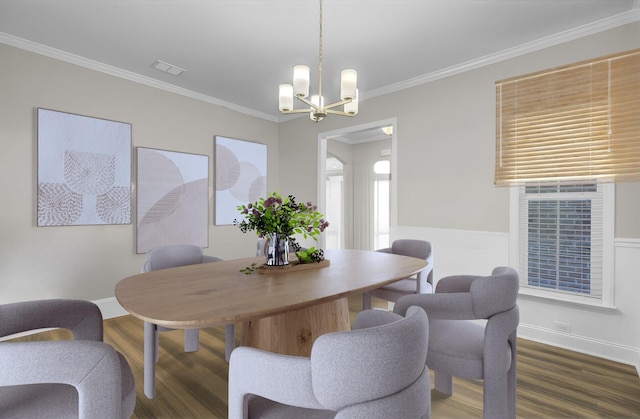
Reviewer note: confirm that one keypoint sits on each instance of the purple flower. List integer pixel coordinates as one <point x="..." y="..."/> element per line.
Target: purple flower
<point x="285" y="216"/>
<point x="271" y="201"/>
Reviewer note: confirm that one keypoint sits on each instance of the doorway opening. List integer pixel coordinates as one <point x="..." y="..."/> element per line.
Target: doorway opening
<point x="356" y="187"/>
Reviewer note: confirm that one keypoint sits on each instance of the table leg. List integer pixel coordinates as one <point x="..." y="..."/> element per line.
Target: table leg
<point x="293" y="332"/>
<point x="150" y="356"/>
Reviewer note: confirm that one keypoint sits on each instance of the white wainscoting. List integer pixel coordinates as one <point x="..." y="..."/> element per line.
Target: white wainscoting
<point x="459" y="252"/>
<point x="611" y="334"/>
<point x="110" y="308"/>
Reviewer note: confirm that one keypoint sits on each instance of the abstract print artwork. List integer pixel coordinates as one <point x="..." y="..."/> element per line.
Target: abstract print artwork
<point x="241" y="176"/>
<point x="84" y="170"/>
<point x="173" y="199"/>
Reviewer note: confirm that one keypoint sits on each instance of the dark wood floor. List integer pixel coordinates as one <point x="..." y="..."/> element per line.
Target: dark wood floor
<point x="552" y="383"/>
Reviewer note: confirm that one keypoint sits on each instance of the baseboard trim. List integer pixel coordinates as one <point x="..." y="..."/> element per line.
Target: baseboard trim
<point x="110" y="308"/>
<point x="619" y="353"/>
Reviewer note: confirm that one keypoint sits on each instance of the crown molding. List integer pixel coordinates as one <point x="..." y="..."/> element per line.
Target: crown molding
<point x="553" y="40"/>
<point x="539" y="44"/>
<point x="124" y="74"/>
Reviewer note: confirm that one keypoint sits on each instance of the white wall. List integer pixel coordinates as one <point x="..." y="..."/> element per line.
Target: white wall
<point x="87" y="261"/>
<point x="445" y="154"/>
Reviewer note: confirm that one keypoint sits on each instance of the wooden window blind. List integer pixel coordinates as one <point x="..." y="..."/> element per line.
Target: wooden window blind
<point x="578" y="123"/>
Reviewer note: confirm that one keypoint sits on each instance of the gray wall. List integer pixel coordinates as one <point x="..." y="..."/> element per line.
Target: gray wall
<point x="87" y="261"/>
<point x="446" y="142"/>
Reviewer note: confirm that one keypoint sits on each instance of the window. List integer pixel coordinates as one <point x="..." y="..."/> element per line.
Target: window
<point x="563" y="136"/>
<point x="560" y="234"/>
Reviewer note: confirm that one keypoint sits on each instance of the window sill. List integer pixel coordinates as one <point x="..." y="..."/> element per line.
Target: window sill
<point x="567" y="300"/>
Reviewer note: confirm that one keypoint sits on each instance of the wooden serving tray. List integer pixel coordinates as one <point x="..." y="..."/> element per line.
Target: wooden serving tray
<point x="293" y="266"/>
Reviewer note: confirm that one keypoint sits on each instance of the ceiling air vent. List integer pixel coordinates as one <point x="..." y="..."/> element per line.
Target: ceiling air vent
<point x="167" y="68"/>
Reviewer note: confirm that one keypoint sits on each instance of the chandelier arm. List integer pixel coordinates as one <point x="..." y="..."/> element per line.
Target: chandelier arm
<point x="308" y="102"/>
<point x="335" y="112"/>
<point x="296" y="111"/>
<point x="335" y="104"/>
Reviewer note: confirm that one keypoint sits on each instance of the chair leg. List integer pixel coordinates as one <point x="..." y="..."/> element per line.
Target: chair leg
<point x="150" y="357"/>
<point x="443" y="382"/>
<point x="495" y="397"/>
<point x="191" y="340"/>
<point x="499" y="388"/>
<point x="366" y="301"/>
<point x="511" y="392"/>
<point x="229" y="340"/>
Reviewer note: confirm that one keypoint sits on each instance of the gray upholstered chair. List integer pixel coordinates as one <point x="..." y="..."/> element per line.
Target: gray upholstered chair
<point x="375" y="371"/>
<point x="163" y="257"/>
<point x="420" y="284"/>
<point x="462" y="347"/>
<point x="80" y="378"/>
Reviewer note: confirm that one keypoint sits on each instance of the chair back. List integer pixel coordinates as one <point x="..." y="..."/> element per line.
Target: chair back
<point x="368" y="364"/>
<point x="488" y="295"/>
<point x="495" y="293"/>
<point x="420" y="249"/>
<point x="82" y="318"/>
<point x="163" y="257"/>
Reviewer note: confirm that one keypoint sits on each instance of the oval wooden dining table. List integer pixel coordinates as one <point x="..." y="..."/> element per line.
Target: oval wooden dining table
<point x="282" y="310"/>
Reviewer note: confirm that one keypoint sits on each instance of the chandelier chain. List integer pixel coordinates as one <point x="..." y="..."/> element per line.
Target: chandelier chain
<point x="320" y="58"/>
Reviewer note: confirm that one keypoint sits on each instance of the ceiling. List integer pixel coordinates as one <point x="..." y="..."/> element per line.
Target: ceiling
<point x="237" y="52"/>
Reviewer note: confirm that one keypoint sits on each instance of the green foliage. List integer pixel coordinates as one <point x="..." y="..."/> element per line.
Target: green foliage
<point x="310" y="255"/>
<point x="283" y="216"/>
<point x="249" y="269"/>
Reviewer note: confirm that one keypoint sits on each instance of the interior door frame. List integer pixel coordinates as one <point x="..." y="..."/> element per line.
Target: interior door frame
<point x="322" y="172"/>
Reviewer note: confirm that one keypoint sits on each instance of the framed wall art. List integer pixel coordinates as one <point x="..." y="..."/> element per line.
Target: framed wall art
<point x="172" y="199"/>
<point x="241" y="176"/>
<point x="84" y="170"/>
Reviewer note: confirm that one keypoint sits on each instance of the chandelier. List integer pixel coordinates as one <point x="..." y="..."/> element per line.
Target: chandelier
<point x="317" y="109"/>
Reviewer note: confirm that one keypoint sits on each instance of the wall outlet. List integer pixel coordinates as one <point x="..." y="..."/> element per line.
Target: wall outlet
<point x="562" y="327"/>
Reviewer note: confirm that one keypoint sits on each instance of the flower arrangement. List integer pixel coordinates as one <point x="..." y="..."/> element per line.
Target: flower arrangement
<point x="284" y="217"/>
